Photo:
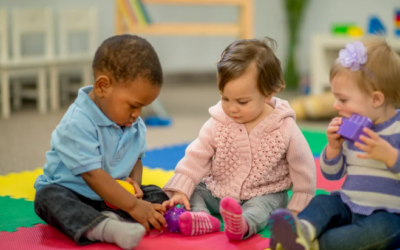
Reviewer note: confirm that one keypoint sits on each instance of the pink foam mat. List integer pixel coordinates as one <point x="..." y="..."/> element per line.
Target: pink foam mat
<point x="44" y="237"/>
<point x="323" y="183"/>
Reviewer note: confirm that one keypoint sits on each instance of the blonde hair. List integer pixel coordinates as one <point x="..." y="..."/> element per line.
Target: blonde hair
<point x="381" y="72"/>
<point x="238" y="56"/>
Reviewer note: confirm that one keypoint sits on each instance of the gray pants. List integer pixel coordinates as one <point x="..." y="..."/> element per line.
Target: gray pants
<point x="256" y="211"/>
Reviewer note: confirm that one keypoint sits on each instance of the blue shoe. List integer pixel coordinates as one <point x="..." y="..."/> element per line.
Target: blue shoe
<point x="285" y="232"/>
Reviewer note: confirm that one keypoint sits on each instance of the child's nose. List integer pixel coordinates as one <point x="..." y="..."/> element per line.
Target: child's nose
<point x="233" y="108"/>
<point x="336" y="105"/>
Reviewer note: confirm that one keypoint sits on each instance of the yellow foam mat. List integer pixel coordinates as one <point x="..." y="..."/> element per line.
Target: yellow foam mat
<point x="20" y="185"/>
<point x="157" y="177"/>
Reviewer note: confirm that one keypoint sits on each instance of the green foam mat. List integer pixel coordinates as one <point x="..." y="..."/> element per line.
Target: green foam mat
<point x="316" y="139"/>
<point x="16" y="213"/>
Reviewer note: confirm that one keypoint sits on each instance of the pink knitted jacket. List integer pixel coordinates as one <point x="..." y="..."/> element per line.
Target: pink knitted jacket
<point x="233" y="163"/>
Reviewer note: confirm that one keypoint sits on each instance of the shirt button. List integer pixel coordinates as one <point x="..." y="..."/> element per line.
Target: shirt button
<point x="115" y="127"/>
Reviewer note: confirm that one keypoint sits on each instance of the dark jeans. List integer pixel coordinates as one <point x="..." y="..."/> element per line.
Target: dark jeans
<point x="74" y="214"/>
<point x="338" y="228"/>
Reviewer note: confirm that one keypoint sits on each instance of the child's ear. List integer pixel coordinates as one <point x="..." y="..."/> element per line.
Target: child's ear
<point x="378" y="99"/>
<point x="102" y="85"/>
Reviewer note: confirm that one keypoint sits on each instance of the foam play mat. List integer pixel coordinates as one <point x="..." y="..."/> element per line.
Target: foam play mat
<point x="20" y="228"/>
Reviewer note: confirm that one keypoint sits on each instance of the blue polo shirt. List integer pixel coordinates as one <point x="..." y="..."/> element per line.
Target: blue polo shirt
<point x="86" y="140"/>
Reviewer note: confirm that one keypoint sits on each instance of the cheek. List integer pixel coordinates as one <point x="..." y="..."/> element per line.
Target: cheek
<point x="109" y="110"/>
<point x="121" y="113"/>
<point x="224" y="107"/>
<point x="364" y="108"/>
<point x="354" y="108"/>
<point x="249" y="110"/>
<point x="255" y="107"/>
<point x="348" y="107"/>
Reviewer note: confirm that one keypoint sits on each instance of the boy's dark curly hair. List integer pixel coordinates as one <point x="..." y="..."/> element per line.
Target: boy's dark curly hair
<point x="127" y="57"/>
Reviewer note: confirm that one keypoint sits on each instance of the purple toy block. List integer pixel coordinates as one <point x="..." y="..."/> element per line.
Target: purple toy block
<point x="352" y="128"/>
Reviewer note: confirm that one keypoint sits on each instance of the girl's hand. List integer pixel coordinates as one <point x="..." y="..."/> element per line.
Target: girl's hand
<point x="335" y="141"/>
<point x="138" y="190"/>
<point x="376" y="148"/>
<point x="177" y="198"/>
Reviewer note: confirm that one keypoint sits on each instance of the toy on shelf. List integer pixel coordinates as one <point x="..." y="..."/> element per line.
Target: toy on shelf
<point x="397" y="23"/>
<point x="347" y="29"/>
<point x="158" y="118"/>
<point x="133" y="13"/>
<point x="172" y="218"/>
<point x="156" y="121"/>
<point x="351" y="129"/>
<point x="376" y="27"/>
<point x="125" y="185"/>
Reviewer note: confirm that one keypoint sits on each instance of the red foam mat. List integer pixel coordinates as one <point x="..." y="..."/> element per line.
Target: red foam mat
<point x="44" y="237"/>
<point x="323" y="183"/>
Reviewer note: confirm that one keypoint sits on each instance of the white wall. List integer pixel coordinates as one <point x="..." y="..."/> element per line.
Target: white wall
<point x="199" y="54"/>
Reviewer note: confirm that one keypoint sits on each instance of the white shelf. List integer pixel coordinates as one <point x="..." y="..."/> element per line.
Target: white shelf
<point x="325" y="49"/>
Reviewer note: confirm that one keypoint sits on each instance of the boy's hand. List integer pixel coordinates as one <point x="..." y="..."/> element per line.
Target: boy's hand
<point x="147" y="213"/>
<point x="335" y="141"/>
<point x="159" y="208"/>
<point x="138" y="191"/>
<point x="376" y="148"/>
<point x="177" y="198"/>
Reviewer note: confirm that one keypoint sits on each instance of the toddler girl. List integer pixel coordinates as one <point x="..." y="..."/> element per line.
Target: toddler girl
<point x="248" y="154"/>
<point x="365" y="213"/>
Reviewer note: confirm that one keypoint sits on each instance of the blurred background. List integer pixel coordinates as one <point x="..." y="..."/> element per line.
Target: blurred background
<point x="46" y="48"/>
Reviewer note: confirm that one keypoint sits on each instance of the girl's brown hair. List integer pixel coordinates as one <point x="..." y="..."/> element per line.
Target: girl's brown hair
<point x="237" y="57"/>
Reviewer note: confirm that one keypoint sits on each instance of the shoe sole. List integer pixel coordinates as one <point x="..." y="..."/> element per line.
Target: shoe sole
<point x="284" y="234"/>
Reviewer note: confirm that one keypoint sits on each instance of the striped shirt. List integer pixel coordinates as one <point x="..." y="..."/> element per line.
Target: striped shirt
<point x="370" y="185"/>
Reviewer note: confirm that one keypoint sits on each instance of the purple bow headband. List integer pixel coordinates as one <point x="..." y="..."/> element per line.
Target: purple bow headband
<point x="354" y="56"/>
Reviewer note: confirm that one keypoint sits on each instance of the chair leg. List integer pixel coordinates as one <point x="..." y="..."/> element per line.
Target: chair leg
<point x="54" y="89"/>
<point x="5" y="94"/>
<point x="16" y="94"/>
<point x="41" y="92"/>
<point x="64" y="86"/>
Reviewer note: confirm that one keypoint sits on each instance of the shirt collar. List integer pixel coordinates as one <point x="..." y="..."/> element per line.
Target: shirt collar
<point x="86" y="103"/>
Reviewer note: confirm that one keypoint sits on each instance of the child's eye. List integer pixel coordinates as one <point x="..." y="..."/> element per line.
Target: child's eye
<point x="224" y="99"/>
<point x="242" y="103"/>
<point x="342" y="100"/>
